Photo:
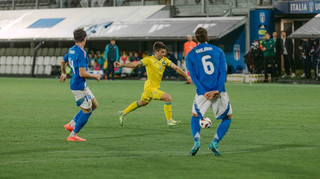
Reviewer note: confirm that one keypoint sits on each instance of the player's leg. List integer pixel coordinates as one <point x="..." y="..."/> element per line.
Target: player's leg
<point x="167" y="107"/>
<point x="199" y="108"/>
<point x="195" y="130"/>
<point x="222" y="110"/>
<point x="70" y="126"/>
<point x="84" y="100"/>
<point x="83" y="119"/>
<point x="94" y="101"/>
<point x="110" y="69"/>
<point x="94" y="104"/>
<point x="133" y="106"/>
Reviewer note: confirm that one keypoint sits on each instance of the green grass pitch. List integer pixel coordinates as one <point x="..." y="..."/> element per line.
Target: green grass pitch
<point x="275" y="133"/>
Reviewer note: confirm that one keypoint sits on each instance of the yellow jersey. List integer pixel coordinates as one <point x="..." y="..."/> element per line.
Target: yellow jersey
<point x="155" y="69"/>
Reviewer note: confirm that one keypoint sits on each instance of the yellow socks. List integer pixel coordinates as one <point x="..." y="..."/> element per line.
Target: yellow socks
<point x="131" y="107"/>
<point x="167" y="110"/>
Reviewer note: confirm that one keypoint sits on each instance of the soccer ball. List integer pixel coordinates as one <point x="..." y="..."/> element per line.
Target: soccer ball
<point x="205" y="122"/>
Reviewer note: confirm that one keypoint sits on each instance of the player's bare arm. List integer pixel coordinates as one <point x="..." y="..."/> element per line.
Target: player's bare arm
<point x="128" y="65"/>
<point x="63" y="67"/>
<point x="180" y="71"/>
<point x="84" y="74"/>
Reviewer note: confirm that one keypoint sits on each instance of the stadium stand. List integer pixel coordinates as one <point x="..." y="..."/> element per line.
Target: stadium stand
<point x="26" y="52"/>
<point x="18" y="61"/>
<point x="8" y="65"/>
<point x="51" y="51"/>
<point x="27" y="63"/>
<point x="63" y="51"/>
<point x="44" y="52"/>
<point x="21" y="65"/>
<point x="8" y="51"/>
<point x="57" y="52"/>
<point x="19" y="52"/>
<point x="2" y="51"/>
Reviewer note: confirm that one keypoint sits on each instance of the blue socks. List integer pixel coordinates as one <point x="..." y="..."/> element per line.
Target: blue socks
<point x="81" y="121"/>
<point x="76" y="117"/>
<point x="195" y="128"/>
<point x="222" y="130"/>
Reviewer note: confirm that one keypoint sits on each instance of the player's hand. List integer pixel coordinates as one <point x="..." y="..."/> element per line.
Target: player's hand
<point x="97" y="77"/>
<point x="63" y="78"/>
<point x="117" y="64"/>
<point x="211" y="94"/>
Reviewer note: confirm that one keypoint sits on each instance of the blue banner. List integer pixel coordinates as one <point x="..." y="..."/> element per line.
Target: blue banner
<point x="297" y="7"/>
<point x="234" y="48"/>
<point x="261" y="21"/>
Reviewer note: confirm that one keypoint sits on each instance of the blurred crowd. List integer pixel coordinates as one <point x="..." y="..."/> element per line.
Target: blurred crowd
<point x="265" y="56"/>
<point x="102" y="63"/>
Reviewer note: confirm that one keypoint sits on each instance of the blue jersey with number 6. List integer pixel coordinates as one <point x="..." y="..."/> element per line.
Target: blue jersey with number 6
<point x="207" y="67"/>
<point x="77" y="58"/>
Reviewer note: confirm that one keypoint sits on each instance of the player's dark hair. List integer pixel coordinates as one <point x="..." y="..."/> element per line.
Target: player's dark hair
<point x="202" y="35"/>
<point x="267" y="33"/>
<point x="158" y="46"/>
<point x="79" y="35"/>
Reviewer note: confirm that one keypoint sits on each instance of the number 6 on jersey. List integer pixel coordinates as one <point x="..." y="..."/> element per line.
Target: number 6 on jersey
<point x="207" y="65"/>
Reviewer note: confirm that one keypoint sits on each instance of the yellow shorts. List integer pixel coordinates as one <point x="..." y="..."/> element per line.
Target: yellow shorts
<point x="151" y="93"/>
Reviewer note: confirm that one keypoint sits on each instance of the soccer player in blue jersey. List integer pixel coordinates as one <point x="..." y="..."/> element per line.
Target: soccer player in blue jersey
<point x="207" y="66"/>
<point x="78" y="60"/>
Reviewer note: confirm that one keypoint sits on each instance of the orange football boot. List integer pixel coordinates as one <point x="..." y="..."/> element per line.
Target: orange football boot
<point x="68" y="127"/>
<point x="75" y="138"/>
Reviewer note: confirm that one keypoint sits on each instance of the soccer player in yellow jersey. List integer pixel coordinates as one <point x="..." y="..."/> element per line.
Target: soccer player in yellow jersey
<point x="155" y="66"/>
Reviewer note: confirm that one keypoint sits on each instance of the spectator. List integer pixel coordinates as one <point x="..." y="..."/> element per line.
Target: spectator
<point x="315" y="55"/>
<point x="187" y="47"/>
<point x="139" y="71"/>
<point x="170" y="73"/>
<point x="125" y="59"/>
<point x="111" y="54"/>
<point x="305" y="58"/>
<point x="97" y="66"/>
<point x="277" y="50"/>
<point x="91" y="59"/>
<point x="268" y="54"/>
<point x="287" y="52"/>
<point x="145" y="54"/>
<point x="99" y="59"/>
<point x="134" y="57"/>
<point x="254" y="58"/>
<point x="130" y="55"/>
